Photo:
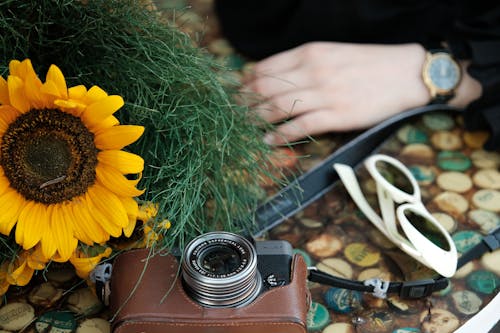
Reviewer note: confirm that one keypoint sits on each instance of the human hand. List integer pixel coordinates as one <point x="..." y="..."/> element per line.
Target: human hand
<point x="328" y="86"/>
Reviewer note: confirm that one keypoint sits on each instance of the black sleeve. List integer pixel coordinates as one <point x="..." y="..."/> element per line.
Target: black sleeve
<point x="476" y="36"/>
<point x="260" y="28"/>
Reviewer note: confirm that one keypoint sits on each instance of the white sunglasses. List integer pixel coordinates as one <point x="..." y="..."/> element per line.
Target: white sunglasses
<point x="443" y="257"/>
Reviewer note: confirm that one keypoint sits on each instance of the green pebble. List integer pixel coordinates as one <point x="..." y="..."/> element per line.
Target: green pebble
<point x="411" y="134"/>
<point x="62" y="322"/>
<point x="465" y="240"/>
<point x="317" y="317"/>
<point x="438" y="121"/>
<point x="483" y="281"/>
<point x="406" y="330"/>
<point x="453" y="161"/>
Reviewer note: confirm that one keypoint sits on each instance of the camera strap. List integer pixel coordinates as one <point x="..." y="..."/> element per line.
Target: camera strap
<point x="314" y="183"/>
<point x="412" y="289"/>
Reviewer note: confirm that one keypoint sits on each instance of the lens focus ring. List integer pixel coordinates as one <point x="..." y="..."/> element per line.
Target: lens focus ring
<point x="220" y="270"/>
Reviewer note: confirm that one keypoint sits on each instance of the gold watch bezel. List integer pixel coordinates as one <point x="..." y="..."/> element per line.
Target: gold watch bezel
<point x="433" y="89"/>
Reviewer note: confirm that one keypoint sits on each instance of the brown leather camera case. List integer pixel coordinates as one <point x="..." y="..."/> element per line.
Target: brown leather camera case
<point x="137" y="303"/>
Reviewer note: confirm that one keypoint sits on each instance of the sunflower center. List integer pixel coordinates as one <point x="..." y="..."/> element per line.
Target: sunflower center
<point x="49" y="156"/>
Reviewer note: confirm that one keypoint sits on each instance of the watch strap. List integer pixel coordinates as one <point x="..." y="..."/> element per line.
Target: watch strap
<point x="442" y="99"/>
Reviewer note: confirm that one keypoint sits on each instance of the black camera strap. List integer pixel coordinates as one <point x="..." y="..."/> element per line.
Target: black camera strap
<point x="412" y="289"/>
<point x="313" y="184"/>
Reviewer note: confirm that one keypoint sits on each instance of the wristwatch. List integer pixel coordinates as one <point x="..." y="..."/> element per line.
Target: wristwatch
<point x="441" y="74"/>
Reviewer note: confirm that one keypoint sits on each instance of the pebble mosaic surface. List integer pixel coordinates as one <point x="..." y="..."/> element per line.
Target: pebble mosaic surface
<point x="460" y="185"/>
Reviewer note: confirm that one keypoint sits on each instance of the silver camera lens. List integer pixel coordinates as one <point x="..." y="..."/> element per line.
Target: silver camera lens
<point x="220" y="270"/>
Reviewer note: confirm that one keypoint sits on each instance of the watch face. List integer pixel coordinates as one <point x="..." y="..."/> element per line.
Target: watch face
<point x="444" y="72"/>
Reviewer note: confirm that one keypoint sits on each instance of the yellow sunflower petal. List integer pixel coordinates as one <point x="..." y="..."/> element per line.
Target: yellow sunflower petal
<point x="48" y="242"/>
<point x="21" y="273"/>
<point x="30" y="225"/>
<point x="84" y="265"/>
<point x="21" y="69"/>
<point x="77" y="92"/>
<point x="14" y="68"/>
<point x="93" y="95"/>
<point x="70" y="106"/>
<point x="36" y="259"/>
<point x="49" y="88"/>
<point x="100" y="110"/>
<point x="131" y="206"/>
<point x="78" y="230"/>
<point x="122" y="161"/>
<point x="105" y="222"/>
<point x="4" y="182"/>
<point x="118" y="137"/>
<point x="62" y="229"/>
<point x="4" y="91"/>
<point x="129" y="229"/>
<point x="88" y="223"/>
<point x="106" y="123"/>
<point x="55" y="75"/>
<point x="132" y="209"/>
<point x="13" y="65"/>
<point x="7" y="115"/>
<point x="113" y="180"/>
<point x="32" y="85"/>
<point x="11" y="205"/>
<point x="109" y="204"/>
<point x="18" y="68"/>
<point x="16" y="94"/>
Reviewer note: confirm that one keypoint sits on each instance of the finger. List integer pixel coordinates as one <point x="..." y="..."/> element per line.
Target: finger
<point x="291" y="104"/>
<point x="269" y="86"/>
<point x="280" y="62"/>
<point x="308" y="124"/>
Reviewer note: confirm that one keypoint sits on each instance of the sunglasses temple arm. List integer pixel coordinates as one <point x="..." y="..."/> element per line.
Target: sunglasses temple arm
<point x="348" y="178"/>
<point x="387" y="209"/>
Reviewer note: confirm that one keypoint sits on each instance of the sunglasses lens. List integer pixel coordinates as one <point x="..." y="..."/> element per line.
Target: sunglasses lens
<point x="428" y="229"/>
<point x="394" y="176"/>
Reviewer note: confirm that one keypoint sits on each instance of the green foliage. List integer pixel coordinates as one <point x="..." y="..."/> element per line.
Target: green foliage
<point x="203" y="157"/>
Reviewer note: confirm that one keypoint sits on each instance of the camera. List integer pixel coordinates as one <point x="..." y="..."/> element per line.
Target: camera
<point x="222" y="282"/>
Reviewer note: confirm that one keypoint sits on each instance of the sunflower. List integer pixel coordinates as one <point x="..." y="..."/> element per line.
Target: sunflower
<point x="64" y="177"/>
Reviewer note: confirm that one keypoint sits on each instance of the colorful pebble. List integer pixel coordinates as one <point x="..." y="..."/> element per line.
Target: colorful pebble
<point x="466" y="302"/>
<point x="453" y="161"/>
<point x="361" y="254"/>
<point x="483" y="281"/>
<point x="342" y="300"/>
<point x="318" y="317"/>
<point x="465" y="240"/>
<point x="487" y="199"/>
<point x="454" y="181"/>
